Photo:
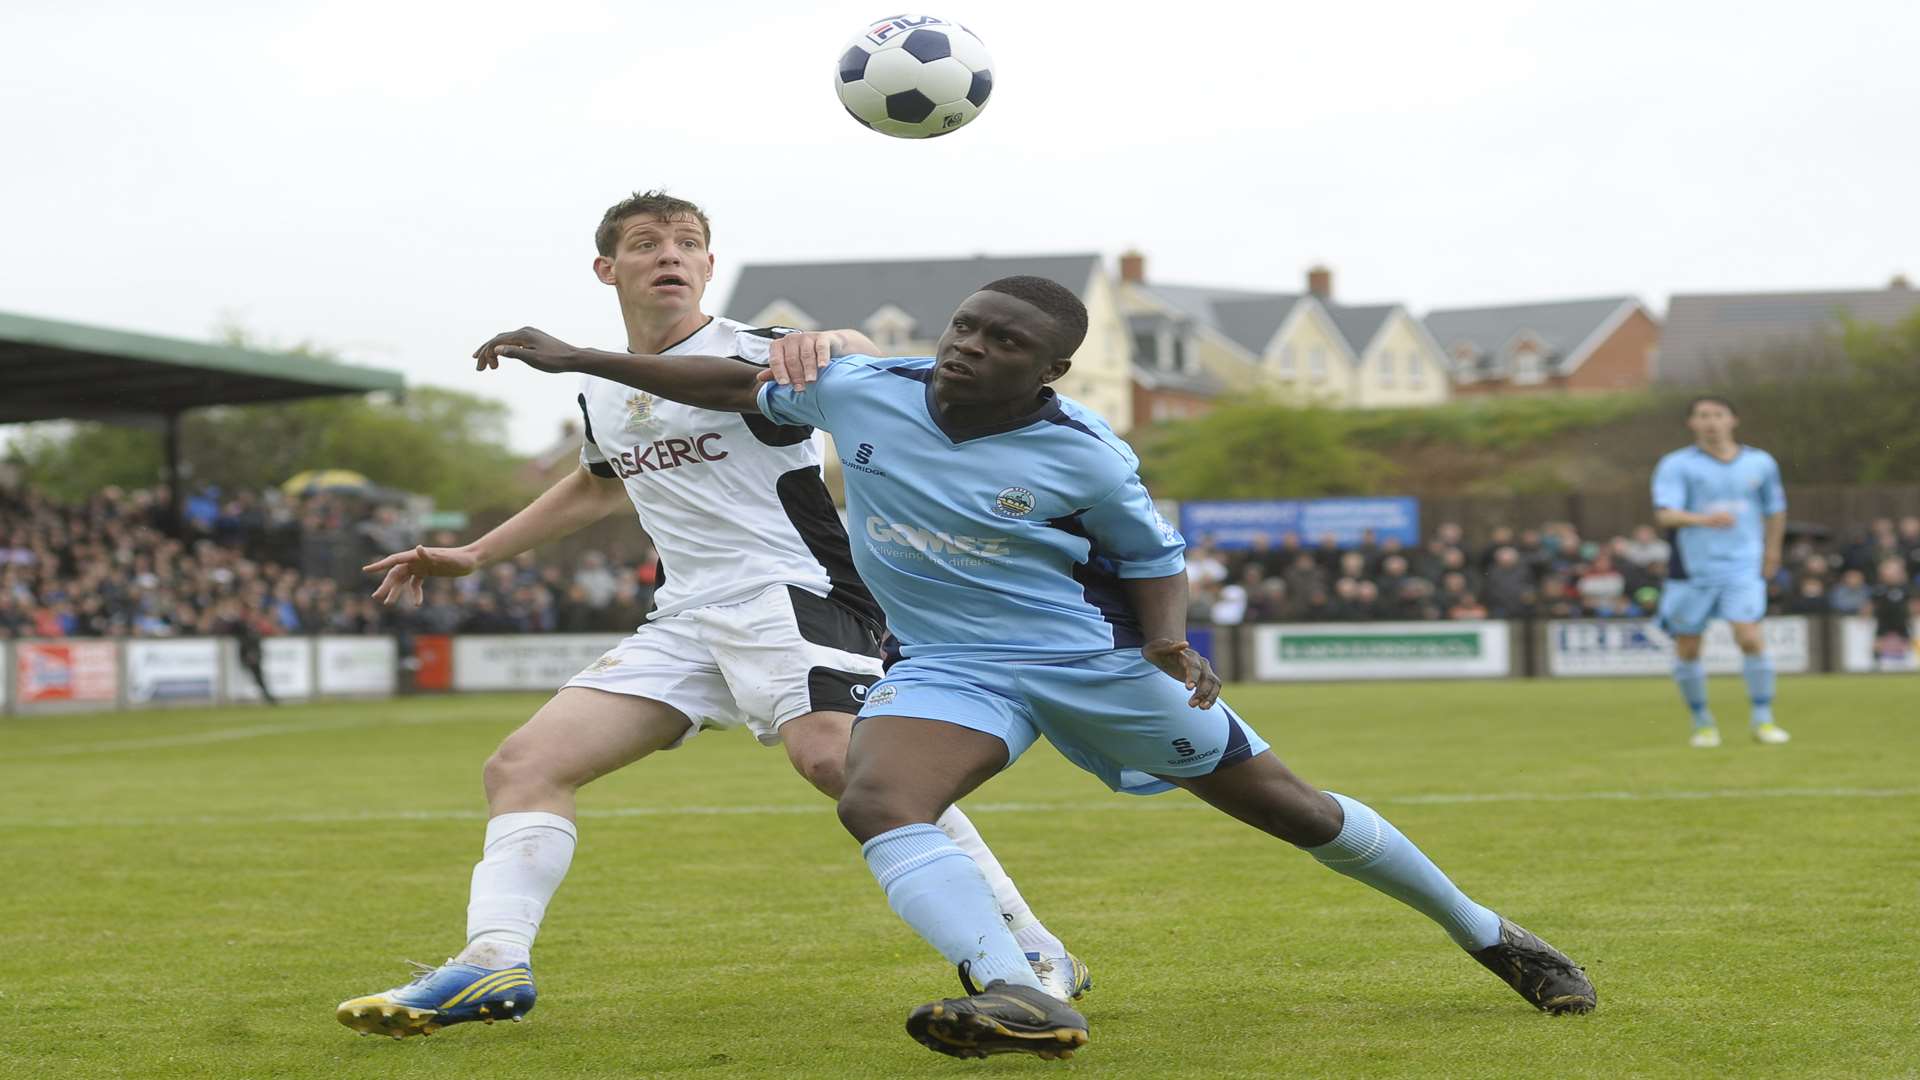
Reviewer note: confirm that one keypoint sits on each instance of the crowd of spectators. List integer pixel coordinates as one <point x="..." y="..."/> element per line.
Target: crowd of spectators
<point x="113" y="567"/>
<point x="1546" y="572"/>
<point x="289" y="565"/>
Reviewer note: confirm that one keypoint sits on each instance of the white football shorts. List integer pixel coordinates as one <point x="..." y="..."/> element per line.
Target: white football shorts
<point x="757" y="663"/>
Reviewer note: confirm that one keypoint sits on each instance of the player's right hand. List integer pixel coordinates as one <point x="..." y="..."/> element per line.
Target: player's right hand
<point x="407" y="571"/>
<point x="796" y="359"/>
<point x="1719" y="519"/>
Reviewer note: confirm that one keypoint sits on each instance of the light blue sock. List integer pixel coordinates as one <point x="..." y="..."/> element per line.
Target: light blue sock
<point x="1758" y="670"/>
<point x="1691" y="675"/>
<point x="942" y="894"/>
<point x="1371" y="850"/>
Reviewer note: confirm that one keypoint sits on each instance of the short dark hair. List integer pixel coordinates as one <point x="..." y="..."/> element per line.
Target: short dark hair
<point x="658" y="203"/>
<point x="1068" y="313"/>
<point x="1714" y="399"/>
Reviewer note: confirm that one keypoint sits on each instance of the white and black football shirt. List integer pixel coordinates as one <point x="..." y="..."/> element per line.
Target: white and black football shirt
<point x="734" y="502"/>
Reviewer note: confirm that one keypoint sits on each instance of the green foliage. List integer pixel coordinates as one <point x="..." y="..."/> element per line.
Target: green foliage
<point x="437" y="442"/>
<point x="1847" y="410"/>
<point x="1496" y="423"/>
<point x="1260" y="450"/>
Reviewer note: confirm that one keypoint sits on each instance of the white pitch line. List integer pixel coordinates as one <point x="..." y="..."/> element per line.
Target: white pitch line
<point x="220" y="735"/>
<point x="823" y="808"/>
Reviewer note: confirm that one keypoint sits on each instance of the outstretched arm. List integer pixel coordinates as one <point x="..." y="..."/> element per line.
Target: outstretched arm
<point x="705" y="382"/>
<point x="578" y="500"/>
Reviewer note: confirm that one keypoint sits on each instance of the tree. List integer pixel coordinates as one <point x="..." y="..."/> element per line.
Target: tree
<point x="1257" y="450"/>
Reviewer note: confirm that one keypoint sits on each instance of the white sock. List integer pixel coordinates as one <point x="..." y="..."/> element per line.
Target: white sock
<point x="1027" y="929"/>
<point x="525" y="859"/>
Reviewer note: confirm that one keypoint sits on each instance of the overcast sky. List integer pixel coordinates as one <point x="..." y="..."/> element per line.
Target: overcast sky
<point x="398" y="181"/>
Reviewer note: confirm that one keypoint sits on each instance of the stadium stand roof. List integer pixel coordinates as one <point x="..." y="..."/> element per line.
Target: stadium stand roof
<point x="1703" y="332"/>
<point x="53" y="370"/>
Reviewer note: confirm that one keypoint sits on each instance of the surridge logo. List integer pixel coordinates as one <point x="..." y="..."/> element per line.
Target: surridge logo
<point x="935" y="541"/>
<point x="864" y="454"/>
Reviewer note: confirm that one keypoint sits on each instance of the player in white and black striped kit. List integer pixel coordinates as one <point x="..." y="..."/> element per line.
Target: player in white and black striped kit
<point x="760" y="621"/>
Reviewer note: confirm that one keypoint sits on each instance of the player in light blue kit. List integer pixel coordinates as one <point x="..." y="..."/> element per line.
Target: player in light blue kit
<point x="1033" y="591"/>
<point x="1726" y="513"/>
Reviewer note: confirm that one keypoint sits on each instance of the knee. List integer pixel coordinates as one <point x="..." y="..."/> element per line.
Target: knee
<point x="868" y="810"/>
<point x="1305" y="817"/>
<point x="511" y="766"/>
<point x="826" y="771"/>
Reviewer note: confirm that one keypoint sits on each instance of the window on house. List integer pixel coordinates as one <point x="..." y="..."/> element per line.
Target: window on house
<point x="1528" y="367"/>
<point x="1317" y="363"/>
<point x="1416" y="370"/>
<point x="1287" y="361"/>
<point x="1146" y="347"/>
<point x="1386" y="369"/>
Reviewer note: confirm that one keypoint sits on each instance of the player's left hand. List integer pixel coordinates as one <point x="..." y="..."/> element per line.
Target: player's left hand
<point x="796" y="359"/>
<point x="535" y="348"/>
<point x="1178" y="659"/>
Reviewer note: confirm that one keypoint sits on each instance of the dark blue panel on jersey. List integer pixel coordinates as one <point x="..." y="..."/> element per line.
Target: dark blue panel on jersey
<point x="909" y="106"/>
<point x="1101" y="586"/>
<point x="928" y="45"/>
<point x="597" y="468"/>
<point x="776" y="434"/>
<point x="853" y="64"/>
<point x="981" y="88"/>
<point x="1238" y="748"/>
<point x="803" y="495"/>
<point x="1676" y="566"/>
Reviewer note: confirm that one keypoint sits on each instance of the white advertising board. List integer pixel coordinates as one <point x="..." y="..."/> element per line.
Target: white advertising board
<point x="286" y="661"/>
<point x="535" y="662"/>
<point x="357" y="665"/>
<point x="1581" y="647"/>
<point x="1858" y="651"/>
<point x="1394" y="650"/>
<point x="172" y="671"/>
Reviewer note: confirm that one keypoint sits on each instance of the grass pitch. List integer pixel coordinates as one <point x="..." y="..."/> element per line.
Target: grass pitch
<point x="189" y="894"/>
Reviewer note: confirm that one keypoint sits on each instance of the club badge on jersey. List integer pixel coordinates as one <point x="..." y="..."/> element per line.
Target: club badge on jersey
<point x="639" y="410"/>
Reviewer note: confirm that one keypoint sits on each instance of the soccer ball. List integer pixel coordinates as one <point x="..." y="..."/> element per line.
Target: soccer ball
<point x="914" y="76"/>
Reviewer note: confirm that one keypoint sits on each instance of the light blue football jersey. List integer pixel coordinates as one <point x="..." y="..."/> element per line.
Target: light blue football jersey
<point x="1748" y="487"/>
<point x="1006" y="541"/>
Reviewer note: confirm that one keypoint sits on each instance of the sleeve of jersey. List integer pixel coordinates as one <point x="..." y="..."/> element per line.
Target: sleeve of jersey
<point x="816" y="407"/>
<point x="1773" y="494"/>
<point x="590" y="455"/>
<point x="1669" y="486"/>
<point x="1129" y="533"/>
<point x="754" y="345"/>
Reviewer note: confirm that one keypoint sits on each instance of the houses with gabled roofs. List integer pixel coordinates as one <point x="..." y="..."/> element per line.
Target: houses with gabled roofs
<point x="1707" y="335"/>
<point x="1301" y="347"/>
<point x="904" y="304"/>
<point x="1607" y="343"/>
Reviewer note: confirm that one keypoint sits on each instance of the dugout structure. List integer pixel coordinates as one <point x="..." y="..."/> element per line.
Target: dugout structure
<point x="53" y="370"/>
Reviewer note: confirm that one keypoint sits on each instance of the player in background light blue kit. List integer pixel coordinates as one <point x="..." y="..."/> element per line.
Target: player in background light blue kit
<point x="1726" y="513"/>
<point x="1034" y="592"/>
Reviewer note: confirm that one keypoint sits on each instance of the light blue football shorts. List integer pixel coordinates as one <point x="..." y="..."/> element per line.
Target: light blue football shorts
<point x="1113" y="713"/>
<point x="1686" y="607"/>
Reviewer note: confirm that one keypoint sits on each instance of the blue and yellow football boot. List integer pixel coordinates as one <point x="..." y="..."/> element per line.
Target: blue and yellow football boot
<point x="453" y="993"/>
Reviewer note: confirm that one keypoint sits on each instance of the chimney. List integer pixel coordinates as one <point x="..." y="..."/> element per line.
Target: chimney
<point x="1133" y="268"/>
<point x="1320" y="282"/>
<point x="1900" y="282"/>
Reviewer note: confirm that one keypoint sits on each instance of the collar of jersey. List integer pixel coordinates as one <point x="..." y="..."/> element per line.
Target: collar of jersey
<point x="1738" y="450"/>
<point x="696" y="333"/>
<point x="955" y="433"/>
